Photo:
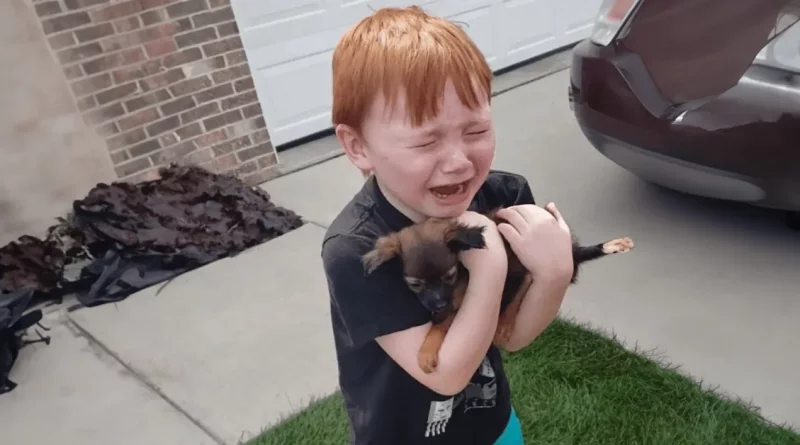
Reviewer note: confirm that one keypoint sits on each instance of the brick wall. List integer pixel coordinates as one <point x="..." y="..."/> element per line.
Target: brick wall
<point x="161" y="81"/>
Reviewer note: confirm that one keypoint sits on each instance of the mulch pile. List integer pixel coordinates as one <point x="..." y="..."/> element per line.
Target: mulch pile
<point x="124" y="237"/>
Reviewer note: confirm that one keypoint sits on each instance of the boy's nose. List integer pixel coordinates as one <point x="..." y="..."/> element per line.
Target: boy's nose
<point x="456" y="162"/>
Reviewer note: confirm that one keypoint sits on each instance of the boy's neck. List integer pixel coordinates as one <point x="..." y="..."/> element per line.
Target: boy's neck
<point x="397" y="204"/>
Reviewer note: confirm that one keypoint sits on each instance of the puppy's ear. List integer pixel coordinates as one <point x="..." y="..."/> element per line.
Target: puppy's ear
<point x="386" y="248"/>
<point x="460" y="237"/>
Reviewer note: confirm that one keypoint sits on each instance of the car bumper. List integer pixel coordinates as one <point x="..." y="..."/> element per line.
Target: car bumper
<point x="742" y="146"/>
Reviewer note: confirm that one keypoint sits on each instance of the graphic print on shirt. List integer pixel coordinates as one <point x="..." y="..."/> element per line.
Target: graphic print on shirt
<point x="438" y="416"/>
<point x="481" y="393"/>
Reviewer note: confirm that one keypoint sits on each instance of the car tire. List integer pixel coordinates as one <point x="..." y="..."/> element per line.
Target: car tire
<point x="793" y="220"/>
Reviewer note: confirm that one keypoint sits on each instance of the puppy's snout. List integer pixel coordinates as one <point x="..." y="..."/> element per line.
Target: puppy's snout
<point x="440" y="305"/>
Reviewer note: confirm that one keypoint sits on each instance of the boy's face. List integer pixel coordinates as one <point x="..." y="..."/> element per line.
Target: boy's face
<point x="433" y="170"/>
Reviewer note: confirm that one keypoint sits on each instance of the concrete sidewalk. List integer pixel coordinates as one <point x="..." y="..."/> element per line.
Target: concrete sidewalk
<point x="228" y="349"/>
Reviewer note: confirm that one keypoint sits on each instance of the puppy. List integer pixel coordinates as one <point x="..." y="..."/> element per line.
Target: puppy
<point x="428" y="251"/>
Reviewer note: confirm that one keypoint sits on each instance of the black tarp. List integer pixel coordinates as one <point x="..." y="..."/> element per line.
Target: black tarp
<point x="124" y="237"/>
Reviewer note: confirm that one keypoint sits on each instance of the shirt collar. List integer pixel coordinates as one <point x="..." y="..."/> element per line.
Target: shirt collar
<point x="395" y="219"/>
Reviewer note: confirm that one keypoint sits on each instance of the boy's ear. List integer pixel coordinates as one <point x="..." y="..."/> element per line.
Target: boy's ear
<point x="353" y="145"/>
<point x="460" y="237"/>
<point x="386" y="248"/>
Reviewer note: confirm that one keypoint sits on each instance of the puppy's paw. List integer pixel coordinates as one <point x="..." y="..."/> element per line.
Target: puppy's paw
<point x="428" y="361"/>
<point x="620" y="245"/>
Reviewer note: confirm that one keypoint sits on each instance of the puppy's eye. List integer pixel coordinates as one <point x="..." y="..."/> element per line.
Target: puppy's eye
<point x="450" y="276"/>
<point x="415" y="284"/>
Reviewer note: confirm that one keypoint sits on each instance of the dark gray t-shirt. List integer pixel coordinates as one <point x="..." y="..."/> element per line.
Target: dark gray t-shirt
<point x="385" y="405"/>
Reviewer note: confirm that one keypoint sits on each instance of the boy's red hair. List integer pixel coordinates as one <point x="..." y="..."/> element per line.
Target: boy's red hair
<point x="406" y="49"/>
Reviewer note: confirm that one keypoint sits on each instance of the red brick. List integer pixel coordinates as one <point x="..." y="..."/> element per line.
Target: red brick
<point x="44" y="9"/>
<point x="144" y="148"/>
<point x="200" y="112"/>
<point x="185" y="8"/>
<point x="91" y="85"/>
<point x="244" y="84"/>
<point x="162" y="80"/>
<point x="212" y="17"/>
<point x="240" y="100"/>
<point x="189" y="131"/>
<point x="214" y="93"/>
<point x="132" y="167"/>
<point x="159" y="31"/>
<point x="80" y="4"/>
<point x="107" y="130"/>
<point x="211" y="138"/>
<point x="127" y="24"/>
<point x="222" y="164"/>
<point x="231" y="146"/>
<point x="254" y="152"/>
<point x="149" y="4"/>
<point x="260" y="136"/>
<point x="268" y="161"/>
<point x="94" y="32"/>
<point x="120" y="157"/>
<point x="223" y="46"/>
<point x="223" y="119"/>
<point x="219" y="3"/>
<point x="129" y="73"/>
<point x="242" y="127"/>
<point x="205" y="66"/>
<point x="236" y="57"/>
<point x="146" y="100"/>
<point x="190" y="86"/>
<point x="160" y="47"/>
<point x="196" y="37"/>
<point x="138" y="119"/>
<point x="101" y="115"/>
<point x="114" y="61"/>
<point x="86" y="103"/>
<point x="153" y="17"/>
<point x="117" y="93"/>
<point x="252" y="110"/>
<point x="79" y="53"/>
<point x="227" y="29"/>
<point x="73" y="72"/>
<point x="259" y="122"/>
<point x="163" y="125"/>
<point x="126" y="139"/>
<point x="61" y="41"/>
<point x="178" y="105"/>
<point x="244" y="169"/>
<point x="262" y="176"/>
<point x="234" y="72"/>
<point x="64" y="22"/>
<point x="142" y="36"/>
<point x="173" y="154"/>
<point x="116" y="11"/>
<point x="180" y="58"/>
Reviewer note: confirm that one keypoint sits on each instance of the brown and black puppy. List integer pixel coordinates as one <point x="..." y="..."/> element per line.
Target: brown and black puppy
<point x="429" y="252"/>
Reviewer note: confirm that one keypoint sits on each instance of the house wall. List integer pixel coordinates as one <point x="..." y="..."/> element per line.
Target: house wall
<point x="161" y="81"/>
<point x="48" y="156"/>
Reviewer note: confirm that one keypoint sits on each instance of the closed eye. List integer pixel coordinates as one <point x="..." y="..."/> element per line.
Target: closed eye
<point x="415" y="284"/>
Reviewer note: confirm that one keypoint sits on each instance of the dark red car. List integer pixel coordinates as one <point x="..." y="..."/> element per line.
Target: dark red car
<point x="700" y="96"/>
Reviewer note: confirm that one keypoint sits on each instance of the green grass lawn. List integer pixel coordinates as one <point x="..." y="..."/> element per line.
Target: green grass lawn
<point x="575" y="386"/>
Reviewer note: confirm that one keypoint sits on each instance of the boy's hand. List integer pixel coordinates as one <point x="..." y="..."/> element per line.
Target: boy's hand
<point x="540" y="238"/>
<point x="493" y="256"/>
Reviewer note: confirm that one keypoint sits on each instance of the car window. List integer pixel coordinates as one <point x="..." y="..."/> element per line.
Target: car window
<point x="698" y="49"/>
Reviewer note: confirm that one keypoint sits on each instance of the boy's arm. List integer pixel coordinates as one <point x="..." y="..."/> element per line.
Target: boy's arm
<point x="539" y="309"/>
<point x="466" y="342"/>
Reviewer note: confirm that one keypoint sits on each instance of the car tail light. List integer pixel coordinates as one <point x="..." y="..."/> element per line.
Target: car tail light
<point x="783" y="49"/>
<point x="609" y="21"/>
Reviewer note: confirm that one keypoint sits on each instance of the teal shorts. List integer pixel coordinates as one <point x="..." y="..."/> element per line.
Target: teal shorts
<point x="512" y="435"/>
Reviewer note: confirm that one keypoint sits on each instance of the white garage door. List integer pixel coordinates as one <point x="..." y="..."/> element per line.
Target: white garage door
<point x="289" y="44"/>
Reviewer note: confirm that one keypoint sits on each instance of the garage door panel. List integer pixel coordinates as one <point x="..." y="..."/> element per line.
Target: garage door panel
<point x="297" y="107"/>
<point x="289" y="45"/>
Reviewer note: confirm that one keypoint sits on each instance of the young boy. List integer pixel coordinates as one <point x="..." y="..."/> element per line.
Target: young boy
<point x="411" y="106"/>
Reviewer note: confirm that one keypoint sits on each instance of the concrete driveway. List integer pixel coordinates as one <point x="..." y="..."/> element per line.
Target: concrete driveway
<point x="713" y="286"/>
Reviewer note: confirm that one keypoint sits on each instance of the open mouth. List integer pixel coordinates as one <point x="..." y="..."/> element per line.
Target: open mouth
<point x="448" y="191"/>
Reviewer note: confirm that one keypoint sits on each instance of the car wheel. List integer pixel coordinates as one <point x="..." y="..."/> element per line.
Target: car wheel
<point x="793" y="220"/>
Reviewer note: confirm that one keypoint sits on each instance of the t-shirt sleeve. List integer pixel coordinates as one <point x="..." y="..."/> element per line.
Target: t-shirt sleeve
<point x="373" y="305"/>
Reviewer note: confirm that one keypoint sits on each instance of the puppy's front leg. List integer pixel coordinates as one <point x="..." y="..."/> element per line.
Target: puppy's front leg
<point x="428" y="356"/>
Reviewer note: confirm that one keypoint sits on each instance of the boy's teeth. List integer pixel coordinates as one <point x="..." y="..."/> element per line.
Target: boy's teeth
<point x="447" y="190"/>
